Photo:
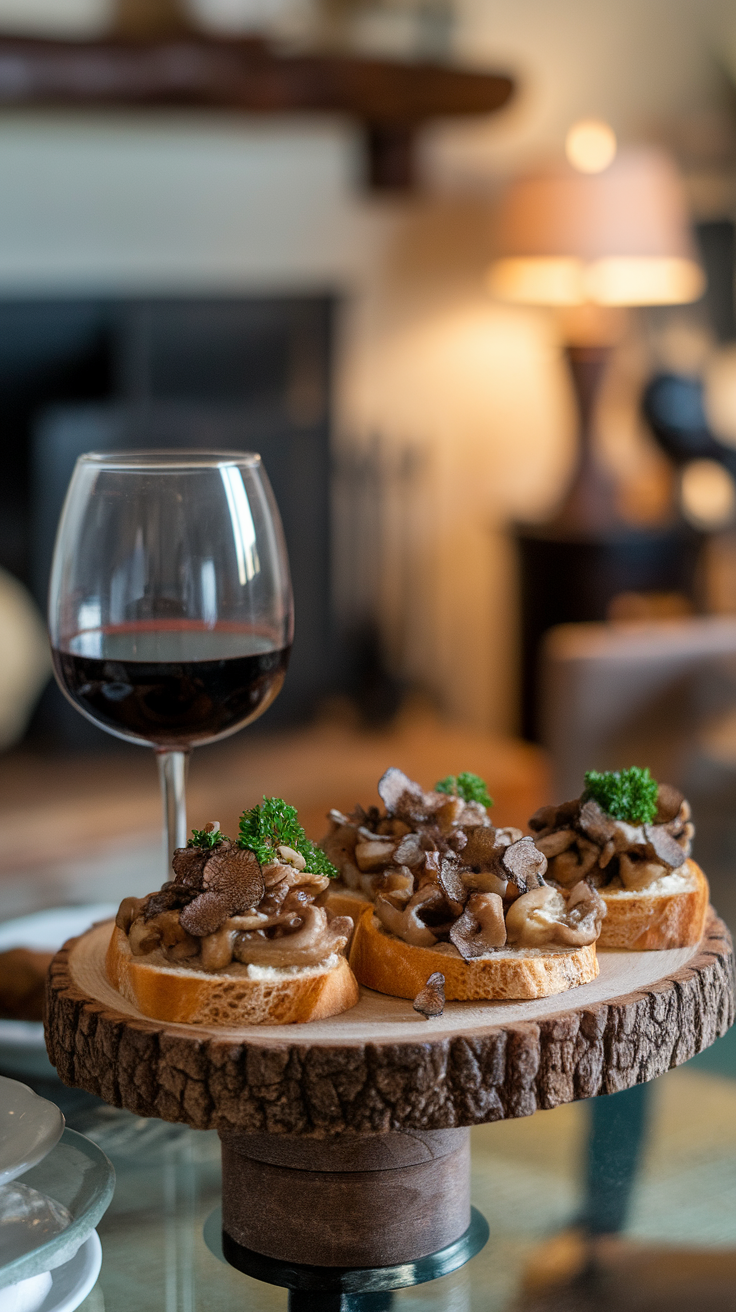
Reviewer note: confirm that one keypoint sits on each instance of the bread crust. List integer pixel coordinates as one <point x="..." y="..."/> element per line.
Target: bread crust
<point x="651" y="921"/>
<point x="189" y="997"/>
<point x="383" y="962"/>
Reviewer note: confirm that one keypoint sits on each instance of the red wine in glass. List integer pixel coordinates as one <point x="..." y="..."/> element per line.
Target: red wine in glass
<point x="137" y="689"/>
<point x="170" y="606"/>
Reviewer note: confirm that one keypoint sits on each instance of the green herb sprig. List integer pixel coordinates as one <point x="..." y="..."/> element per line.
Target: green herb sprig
<point x="629" y="795"/>
<point x="207" y="838"/>
<point x="466" y="785"/>
<point x="273" y="823"/>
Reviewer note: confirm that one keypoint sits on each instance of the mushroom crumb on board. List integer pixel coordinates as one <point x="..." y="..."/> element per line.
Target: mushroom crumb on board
<point x="430" y="1001"/>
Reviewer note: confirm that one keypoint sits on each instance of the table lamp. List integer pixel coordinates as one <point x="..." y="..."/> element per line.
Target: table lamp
<point x="601" y="231"/>
<point x="591" y="236"/>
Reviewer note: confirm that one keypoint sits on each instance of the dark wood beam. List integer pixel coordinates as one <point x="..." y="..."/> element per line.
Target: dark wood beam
<point x="391" y="99"/>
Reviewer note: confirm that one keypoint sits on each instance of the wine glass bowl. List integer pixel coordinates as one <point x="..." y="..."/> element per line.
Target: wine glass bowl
<point x="170" y="606"/>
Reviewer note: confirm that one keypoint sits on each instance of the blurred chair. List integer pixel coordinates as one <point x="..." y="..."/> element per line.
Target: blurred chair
<point x="657" y="694"/>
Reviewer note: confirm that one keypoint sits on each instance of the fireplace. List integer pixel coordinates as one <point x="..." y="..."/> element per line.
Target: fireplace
<point x="245" y="373"/>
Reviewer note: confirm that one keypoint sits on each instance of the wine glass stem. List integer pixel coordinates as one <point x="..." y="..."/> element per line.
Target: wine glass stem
<point x="172" y="770"/>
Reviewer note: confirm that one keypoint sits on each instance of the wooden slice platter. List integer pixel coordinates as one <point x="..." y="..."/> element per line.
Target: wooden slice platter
<point x="382" y="1067"/>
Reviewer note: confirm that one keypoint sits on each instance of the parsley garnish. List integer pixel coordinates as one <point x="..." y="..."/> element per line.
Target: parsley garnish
<point x="624" y="794"/>
<point x="466" y="785"/>
<point x="207" y="838"/>
<point x="274" y="824"/>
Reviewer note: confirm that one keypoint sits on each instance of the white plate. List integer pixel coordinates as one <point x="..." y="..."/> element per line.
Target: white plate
<point x="22" y="1047"/>
<point x="77" y="1176"/>
<point x="29" y="1128"/>
<point x="69" y="1284"/>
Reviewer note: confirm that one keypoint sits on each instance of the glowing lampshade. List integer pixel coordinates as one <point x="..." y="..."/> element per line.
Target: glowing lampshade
<point x="614" y="237"/>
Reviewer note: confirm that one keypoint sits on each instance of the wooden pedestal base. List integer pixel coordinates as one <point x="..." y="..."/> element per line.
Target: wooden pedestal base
<point x="347" y="1202"/>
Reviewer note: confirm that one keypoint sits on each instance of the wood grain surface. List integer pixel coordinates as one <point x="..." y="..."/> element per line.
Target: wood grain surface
<point x="381" y="1067"/>
<point x="371" y="1201"/>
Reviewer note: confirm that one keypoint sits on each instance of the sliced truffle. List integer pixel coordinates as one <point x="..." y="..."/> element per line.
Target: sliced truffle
<point x="595" y="824"/>
<point x="481" y="848"/>
<point x="172" y="897"/>
<point x="189" y="864"/>
<point x="451" y="883"/>
<point x="664" y="847"/>
<point x="406" y="799"/>
<point x="430" y="1001"/>
<point x="524" y="864"/>
<point x="233" y="882"/>
<point x="481" y="927"/>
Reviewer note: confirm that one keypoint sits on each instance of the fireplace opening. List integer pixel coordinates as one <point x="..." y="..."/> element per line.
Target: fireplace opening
<point x="250" y="373"/>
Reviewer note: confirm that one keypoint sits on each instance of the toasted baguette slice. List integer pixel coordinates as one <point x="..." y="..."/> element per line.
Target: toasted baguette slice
<point x="383" y="962"/>
<point x="232" y="996"/>
<point x="670" y="913"/>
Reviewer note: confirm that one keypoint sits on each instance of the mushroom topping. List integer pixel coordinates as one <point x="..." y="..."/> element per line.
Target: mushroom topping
<point x="127" y="912"/>
<point x="545" y="915"/>
<point x="524" y="864"/>
<point x="217" y="949"/>
<point x="638" y="872"/>
<point x="165" y="931"/>
<point x="307" y="946"/>
<point x="449" y="814"/>
<point x="556" y="842"/>
<point x="232" y="882"/>
<point x="398" y="883"/>
<point x="372" y="855"/>
<point x="585" y="912"/>
<point x="594" y="822"/>
<point x="430" y="1001"/>
<point x="339" y="844"/>
<point x="669" y="802"/>
<point x="481" y="927"/>
<point x="405" y="922"/>
<point x="664" y="847"/>
<point x="189" y="863"/>
<point x="406" y="799"/>
<point x="481" y="848"/>
<point x="508" y="835"/>
<point x="410" y="851"/>
<point x="485" y="881"/>
<point x="451" y="882"/>
<point x="574" y="863"/>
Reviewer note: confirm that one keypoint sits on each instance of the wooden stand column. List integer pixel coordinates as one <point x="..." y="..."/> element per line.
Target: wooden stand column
<point x="371" y="1201"/>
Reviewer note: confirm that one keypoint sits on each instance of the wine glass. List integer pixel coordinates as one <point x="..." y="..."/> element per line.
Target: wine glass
<point x="170" y="605"/>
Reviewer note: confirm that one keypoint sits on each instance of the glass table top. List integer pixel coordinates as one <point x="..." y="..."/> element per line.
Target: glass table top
<point x="655" y="1165"/>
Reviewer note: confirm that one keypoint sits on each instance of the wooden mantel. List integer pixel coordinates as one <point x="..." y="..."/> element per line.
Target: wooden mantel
<point x="391" y="99"/>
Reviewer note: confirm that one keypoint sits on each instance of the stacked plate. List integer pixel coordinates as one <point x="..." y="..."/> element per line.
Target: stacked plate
<point x="54" y="1187"/>
<point x="54" y="1183"/>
